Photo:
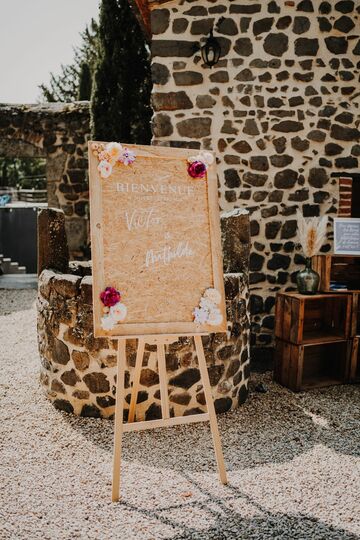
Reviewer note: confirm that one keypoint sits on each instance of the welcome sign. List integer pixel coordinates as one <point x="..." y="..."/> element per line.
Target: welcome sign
<point x="155" y="233"/>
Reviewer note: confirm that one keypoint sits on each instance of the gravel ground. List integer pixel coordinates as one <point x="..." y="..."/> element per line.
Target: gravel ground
<point x="293" y="462"/>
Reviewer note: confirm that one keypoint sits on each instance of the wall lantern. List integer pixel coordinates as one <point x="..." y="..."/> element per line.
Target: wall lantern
<point x="211" y="50"/>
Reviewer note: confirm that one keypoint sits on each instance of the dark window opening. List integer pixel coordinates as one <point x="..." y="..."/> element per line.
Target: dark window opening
<point x="355" y="196"/>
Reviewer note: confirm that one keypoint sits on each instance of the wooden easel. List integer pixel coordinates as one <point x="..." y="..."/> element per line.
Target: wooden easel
<point x="119" y="428"/>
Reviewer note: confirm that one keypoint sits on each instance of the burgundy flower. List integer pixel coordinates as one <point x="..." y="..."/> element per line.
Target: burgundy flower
<point x="110" y="297"/>
<point x="197" y="169"/>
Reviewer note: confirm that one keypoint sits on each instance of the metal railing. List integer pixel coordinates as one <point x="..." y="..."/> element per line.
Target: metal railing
<point x="25" y="195"/>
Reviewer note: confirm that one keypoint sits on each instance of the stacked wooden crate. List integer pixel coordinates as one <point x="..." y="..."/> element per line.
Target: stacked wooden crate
<point x="312" y="340"/>
<point x="318" y="336"/>
<point x="341" y="274"/>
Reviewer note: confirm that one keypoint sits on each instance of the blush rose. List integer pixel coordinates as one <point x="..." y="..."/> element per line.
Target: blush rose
<point x="197" y="169"/>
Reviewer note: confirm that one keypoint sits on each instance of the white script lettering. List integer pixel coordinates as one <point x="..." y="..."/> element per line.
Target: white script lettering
<point x="167" y="254"/>
<point x="141" y="219"/>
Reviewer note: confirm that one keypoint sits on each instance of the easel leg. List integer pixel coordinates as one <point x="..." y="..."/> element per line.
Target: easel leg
<point x="165" y="408"/>
<point x="118" y="424"/>
<point x="211" y="409"/>
<point x="137" y="372"/>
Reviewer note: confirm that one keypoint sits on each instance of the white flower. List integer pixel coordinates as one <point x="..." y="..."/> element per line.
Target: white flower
<point x="107" y="322"/>
<point x="206" y="157"/>
<point x="215" y="317"/>
<point x="114" y="150"/>
<point x="127" y="156"/>
<point x="200" y="315"/>
<point x="213" y="295"/>
<point x="206" y="303"/>
<point x="118" y="312"/>
<point x="104" y="168"/>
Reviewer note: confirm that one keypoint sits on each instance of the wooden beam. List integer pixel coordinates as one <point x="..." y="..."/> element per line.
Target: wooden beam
<point x="142" y="13"/>
<point x="176" y="421"/>
<point x="154" y="3"/>
<point x="142" y="9"/>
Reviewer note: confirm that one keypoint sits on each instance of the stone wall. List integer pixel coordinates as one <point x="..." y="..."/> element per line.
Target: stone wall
<point x="78" y="371"/>
<point x="281" y="109"/>
<point x="59" y="133"/>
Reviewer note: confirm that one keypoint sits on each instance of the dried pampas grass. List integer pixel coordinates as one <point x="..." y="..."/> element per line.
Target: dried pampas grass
<point x="311" y="233"/>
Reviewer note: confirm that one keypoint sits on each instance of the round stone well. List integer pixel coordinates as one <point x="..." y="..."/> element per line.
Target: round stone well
<point x="78" y="371"/>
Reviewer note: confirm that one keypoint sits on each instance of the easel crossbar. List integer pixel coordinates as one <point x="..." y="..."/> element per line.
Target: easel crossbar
<point x="168" y="422"/>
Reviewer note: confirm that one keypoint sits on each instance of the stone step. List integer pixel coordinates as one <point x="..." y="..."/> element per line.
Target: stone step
<point x="5" y="265"/>
<point x="11" y="267"/>
<point x="14" y="267"/>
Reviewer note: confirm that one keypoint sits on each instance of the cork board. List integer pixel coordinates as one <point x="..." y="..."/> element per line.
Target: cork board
<point x="155" y="235"/>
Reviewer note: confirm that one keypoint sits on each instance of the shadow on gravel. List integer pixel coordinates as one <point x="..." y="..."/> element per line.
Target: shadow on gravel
<point x="275" y="427"/>
<point x="265" y="430"/>
<point x="227" y="524"/>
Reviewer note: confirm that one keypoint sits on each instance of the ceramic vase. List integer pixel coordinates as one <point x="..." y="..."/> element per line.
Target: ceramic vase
<point x="307" y="279"/>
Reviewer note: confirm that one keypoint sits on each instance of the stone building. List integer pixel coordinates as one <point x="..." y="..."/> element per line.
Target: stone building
<point x="59" y="133"/>
<point x="281" y="109"/>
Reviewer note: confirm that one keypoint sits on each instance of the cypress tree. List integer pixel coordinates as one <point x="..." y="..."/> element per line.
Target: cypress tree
<point x="65" y="86"/>
<point x="85" y="80"/>
<point x="121" y="92"/>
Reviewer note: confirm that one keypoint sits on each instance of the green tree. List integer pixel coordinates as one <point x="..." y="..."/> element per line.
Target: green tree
<point x="22" y="172"/>
<point x="121" y="95"/>
<point x="85" y="83"/>
<point x="74" y="82"/>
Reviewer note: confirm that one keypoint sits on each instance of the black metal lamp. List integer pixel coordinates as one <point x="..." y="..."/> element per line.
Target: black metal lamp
<point x="211" y="50"/>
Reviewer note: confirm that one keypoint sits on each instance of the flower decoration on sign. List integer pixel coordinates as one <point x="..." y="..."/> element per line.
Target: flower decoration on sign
<point x="110" y="154"/>
<point x="199" y="164"/>
<point x="114" y="310"/>
<point x="127" y="156"/>
<point x="208" y="311"/>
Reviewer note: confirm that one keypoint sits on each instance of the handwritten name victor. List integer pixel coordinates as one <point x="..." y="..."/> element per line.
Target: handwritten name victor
<point x="141" y="219"/>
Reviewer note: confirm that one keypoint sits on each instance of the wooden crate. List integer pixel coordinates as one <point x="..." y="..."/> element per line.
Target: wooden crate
<point x="336" y="269"/>
<point x="355" y="314"/>
<point x="302" y="367"/>
<point x="355" y="361"/>
<point x="318" y="318"/>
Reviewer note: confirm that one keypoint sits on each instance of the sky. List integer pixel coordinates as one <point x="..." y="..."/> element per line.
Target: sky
<point x="36" y="37"/>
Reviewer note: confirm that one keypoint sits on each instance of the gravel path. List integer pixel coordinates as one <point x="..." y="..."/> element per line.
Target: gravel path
<point x="293" y="463"/>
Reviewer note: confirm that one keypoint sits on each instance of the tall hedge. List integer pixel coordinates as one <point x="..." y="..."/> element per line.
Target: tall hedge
<point x="120" y="103"/>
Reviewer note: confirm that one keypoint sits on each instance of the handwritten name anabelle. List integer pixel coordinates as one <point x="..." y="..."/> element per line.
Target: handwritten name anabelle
<point x="167" y="254"/>
<point x="163" y="189"/>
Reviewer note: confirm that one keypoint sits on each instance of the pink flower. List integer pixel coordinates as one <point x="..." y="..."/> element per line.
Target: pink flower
<point x="127" y="156"/>
<point x="104" y="156"/>
<point x="197" y="169"/>
<point x="104" y="168"/>
<point x="110" y="297"/>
